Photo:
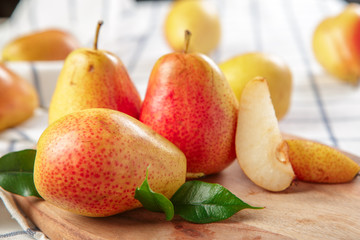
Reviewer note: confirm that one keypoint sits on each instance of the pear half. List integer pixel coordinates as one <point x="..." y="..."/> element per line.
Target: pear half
<point x="260" y="149"/>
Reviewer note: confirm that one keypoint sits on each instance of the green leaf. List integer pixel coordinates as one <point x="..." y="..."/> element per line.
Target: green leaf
<point x="202" y="202"/>
<point x="16" y="172"/>
<point x="18" y="161"/>
<point x="153" y="201"/>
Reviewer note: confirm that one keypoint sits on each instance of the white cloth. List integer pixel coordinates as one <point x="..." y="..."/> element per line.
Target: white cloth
<point x="24" y="229"/>
<point x="322" y="108"/>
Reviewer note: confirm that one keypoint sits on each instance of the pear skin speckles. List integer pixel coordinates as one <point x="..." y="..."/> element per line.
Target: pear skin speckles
<point x="90" y="162"/>
<point x="189" y="102"/>
<point x="319" y="163"/>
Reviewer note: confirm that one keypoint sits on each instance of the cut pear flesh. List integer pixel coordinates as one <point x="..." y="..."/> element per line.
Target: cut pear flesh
<point x="260" y="149"/>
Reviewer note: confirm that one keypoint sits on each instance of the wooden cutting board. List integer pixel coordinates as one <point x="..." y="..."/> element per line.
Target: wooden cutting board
<point x="303" y="211"/>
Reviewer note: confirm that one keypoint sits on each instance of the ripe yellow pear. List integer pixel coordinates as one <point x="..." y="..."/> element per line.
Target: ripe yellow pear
<point x="260" y="149"/>
<point x="90" y="162"/>
<point x="18" y="98"/>
<point x="240" y="69"/>
<point x="189" y="102"/>
<point x="46" y="45"/>
<point x="92" y="78"/>
<point x="316" y="162"/>
<point x="200" y="18"/>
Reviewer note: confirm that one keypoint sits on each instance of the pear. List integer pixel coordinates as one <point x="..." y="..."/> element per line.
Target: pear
<point x="18" y="98"/>
<point x="200" y="17"/>
<point x="45" y="45"/>
<point x="190" y="103"/>
<point x="240" y="69"/>
<point x="91" y="161"/>
<point x="92" y="78"/>
<point x="319" y="163"/>
<point x="335" y="44"/>
<point x="260" y="149"/>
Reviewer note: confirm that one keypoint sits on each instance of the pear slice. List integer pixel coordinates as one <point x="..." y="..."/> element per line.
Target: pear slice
<point x="260" y="149"/>
<point x="319" y="163"/>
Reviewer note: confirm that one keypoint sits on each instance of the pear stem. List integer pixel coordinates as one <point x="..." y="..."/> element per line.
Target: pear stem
<point x="187" y="40"/>
<point x="97" y="34"/>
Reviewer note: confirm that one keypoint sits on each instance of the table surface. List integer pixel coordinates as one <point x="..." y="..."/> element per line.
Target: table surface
<point x="322" y="108"/>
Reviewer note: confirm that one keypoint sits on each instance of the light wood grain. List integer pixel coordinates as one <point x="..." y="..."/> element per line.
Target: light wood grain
<point x="304" y="211"/>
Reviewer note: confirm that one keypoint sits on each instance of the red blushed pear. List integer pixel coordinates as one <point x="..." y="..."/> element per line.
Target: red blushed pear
<point x="90" y="162"/>
<point x="18" y="98"/>
<point x="336" y="44"/>
<point x="189" y="102"/>
<point x="92" y="78"/>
